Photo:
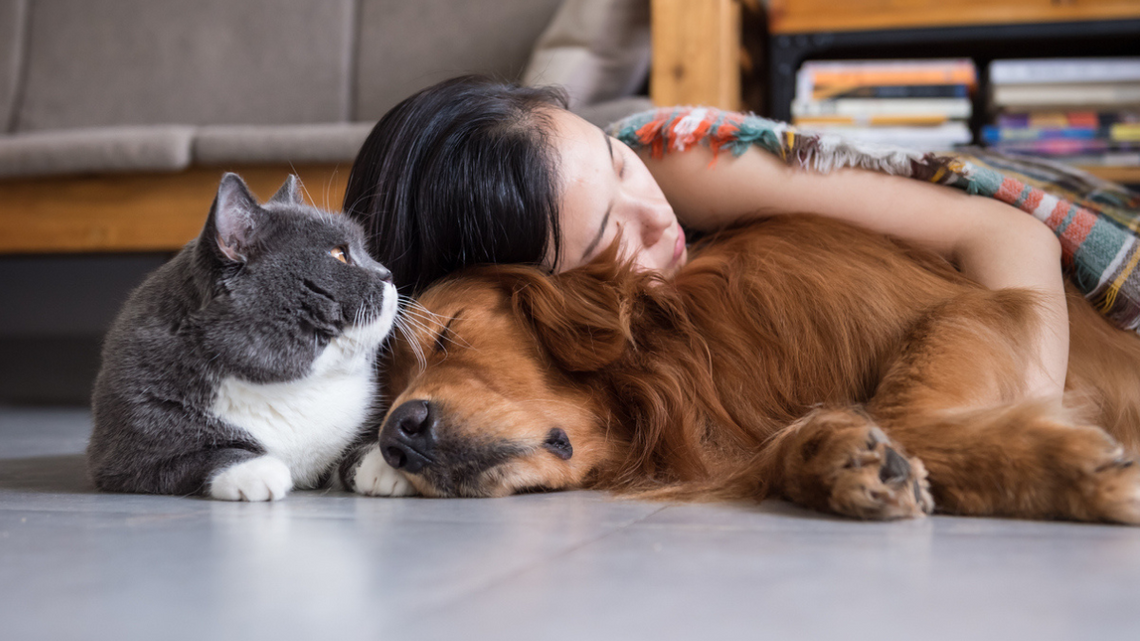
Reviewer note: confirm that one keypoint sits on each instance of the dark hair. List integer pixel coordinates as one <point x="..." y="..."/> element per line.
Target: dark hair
<point x="459" y="174"/>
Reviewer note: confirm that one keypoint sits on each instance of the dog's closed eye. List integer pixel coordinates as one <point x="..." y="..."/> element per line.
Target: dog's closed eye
<point x="440" y="347"/>
<point x="559" y="444"/>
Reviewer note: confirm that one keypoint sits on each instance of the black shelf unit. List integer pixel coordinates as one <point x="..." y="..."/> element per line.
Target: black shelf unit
<point x="982" y="43"/>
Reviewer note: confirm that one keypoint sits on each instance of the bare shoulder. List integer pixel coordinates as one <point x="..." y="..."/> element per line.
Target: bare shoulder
<point x="709" y="191"/>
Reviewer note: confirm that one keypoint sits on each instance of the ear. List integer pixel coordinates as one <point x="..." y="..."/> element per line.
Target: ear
<point x="582" y="320"/>
<point x="233" y="219"/>
<point x="289" y="193"/>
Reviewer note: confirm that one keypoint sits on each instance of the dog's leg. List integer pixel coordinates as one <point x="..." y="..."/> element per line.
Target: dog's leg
<point x="838" y="460"/>
<point x="1022" y="461"/>
<point x="951" y="399"/>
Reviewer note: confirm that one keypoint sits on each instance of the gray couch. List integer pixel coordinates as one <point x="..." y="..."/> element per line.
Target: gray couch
<point x="113" y="86"/>
<point x="118" y="116"/>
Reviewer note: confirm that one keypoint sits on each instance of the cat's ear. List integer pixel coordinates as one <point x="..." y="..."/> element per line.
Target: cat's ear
<point x="233" y="218"/>
<point x="290" y="192"/>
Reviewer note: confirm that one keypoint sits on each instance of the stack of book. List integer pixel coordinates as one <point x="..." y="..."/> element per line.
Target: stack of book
<point x="922" y="104"/>
<point x="1079" y="110"/>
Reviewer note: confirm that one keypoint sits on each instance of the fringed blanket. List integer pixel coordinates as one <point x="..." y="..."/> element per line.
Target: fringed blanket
<point x="1097" y="221"/>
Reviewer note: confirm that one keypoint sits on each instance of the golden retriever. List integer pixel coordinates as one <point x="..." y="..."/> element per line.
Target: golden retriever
<point x="794" y="357"/>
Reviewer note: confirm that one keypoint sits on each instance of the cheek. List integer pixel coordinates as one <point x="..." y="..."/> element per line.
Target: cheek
<point x="647" y="261"/>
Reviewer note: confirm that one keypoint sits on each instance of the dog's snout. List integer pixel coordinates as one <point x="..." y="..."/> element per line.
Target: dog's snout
<point x="411" y="417"/>
<point x="407" y="439"/>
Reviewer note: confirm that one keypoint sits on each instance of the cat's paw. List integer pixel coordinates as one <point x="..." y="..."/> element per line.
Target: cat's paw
<point x="374" y="477"/>
<point x="264" y="478"/>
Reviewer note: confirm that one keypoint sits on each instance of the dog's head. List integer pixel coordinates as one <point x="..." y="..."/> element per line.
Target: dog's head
<point x="493" y="388"/>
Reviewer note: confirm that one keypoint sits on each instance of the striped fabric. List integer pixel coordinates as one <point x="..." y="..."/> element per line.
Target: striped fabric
<point x="1096" y="221"/>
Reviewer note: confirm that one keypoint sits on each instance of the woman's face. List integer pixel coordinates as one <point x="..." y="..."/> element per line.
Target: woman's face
<point x="606" y="189"/>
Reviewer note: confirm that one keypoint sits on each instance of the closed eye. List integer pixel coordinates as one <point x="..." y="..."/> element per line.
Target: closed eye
<point x="444" y="335"/>
<point x="621" y="156"/>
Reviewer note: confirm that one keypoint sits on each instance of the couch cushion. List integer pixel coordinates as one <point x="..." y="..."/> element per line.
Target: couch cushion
<point x="117" y="62"/>
<point x="407" y="45"/>
<point x="244" y="144"/>
<point x="102" y="150"/>
<point x="606" y="113"/>
<point x="598" y="50"/>
<point x="12" y="14"/>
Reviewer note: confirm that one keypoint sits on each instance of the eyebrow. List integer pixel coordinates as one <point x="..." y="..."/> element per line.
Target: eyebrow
<point x="606" y="218"/>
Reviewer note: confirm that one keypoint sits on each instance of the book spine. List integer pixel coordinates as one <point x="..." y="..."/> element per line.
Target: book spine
<point x="1056" y="147"/>
<point x="994" y="134"/>
<point x="1099" y="94"/>
<point x="897" y="91"/>
<point x="949" y="107"/>
<point x="1078" y="70"/>
<point x="871" y="77"/>
<point x="874" y="120"/>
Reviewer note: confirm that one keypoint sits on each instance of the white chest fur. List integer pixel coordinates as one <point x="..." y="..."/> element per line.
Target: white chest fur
<point x="306" y="423"/>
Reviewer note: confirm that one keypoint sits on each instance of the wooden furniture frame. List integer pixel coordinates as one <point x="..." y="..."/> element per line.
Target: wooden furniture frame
<point x="154" y="212"/>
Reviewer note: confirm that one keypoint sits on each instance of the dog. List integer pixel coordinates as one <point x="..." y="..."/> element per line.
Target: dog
<point x="794" y="357"/>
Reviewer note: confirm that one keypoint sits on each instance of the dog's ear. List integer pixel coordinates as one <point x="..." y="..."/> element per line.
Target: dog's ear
<point x="580" y="316"/>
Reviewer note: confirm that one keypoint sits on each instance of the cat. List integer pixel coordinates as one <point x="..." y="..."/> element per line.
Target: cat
<point x="244" y="367"/>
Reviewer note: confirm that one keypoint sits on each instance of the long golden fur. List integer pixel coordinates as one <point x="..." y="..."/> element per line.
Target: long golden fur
<point x="794" y="357"/>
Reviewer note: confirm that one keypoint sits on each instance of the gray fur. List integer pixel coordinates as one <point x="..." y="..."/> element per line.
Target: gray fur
<point x="256" y="296"/>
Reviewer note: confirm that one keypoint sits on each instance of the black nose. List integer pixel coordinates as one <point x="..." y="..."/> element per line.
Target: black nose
<point x="383" y="273"/>
<point x="407" y="439"/>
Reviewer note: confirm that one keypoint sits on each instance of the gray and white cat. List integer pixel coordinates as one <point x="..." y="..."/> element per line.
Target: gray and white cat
<point x="244" y="367"/>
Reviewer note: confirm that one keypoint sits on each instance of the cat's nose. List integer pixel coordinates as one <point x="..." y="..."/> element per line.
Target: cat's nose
<point x="383" y="273"/>
<point x="407" y="439"/>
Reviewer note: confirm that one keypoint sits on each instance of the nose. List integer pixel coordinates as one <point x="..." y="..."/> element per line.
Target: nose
<point x="383" y="273"/>
<point x="407" y="439"/>
<point x="656" y="219"/>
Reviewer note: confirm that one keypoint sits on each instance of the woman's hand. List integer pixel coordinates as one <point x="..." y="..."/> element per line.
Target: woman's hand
<point x="989" y="241"/>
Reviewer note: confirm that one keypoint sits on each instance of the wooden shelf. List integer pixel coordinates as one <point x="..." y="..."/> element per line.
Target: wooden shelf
<point x="136" y="212"/>
<point x="813" y="16"/>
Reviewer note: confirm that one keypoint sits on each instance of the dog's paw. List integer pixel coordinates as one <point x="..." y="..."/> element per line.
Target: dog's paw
<point x="1108" y="478"/>
<point x="839" y="460"/>
<point x="1118" y="490"/>
<point x="264" y="478"/>
<point x="374" y="477"/>
<point x="878" y="482"/>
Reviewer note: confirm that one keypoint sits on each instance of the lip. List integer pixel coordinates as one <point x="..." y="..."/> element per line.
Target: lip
<point x="679" y="248"/>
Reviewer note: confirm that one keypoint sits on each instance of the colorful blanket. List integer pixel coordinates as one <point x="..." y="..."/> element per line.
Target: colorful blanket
<point x="1096" y="221"/>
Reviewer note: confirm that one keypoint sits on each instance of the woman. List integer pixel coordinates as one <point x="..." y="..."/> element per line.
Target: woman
<point x="475" y="171"/>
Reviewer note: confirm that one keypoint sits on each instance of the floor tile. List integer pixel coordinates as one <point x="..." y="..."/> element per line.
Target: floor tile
<point x="77" y="564"/>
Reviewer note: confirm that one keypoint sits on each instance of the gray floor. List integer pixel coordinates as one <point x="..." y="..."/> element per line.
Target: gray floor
<point x="80" y="565"/>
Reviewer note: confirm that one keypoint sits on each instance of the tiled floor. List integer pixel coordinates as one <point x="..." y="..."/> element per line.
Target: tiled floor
<point x="576" y="566"/>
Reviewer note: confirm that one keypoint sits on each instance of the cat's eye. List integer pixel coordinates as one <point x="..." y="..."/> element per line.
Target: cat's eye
<point x="340" y="253"/>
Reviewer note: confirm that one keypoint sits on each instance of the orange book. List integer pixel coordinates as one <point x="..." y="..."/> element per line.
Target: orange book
<point x="918" y="72"/>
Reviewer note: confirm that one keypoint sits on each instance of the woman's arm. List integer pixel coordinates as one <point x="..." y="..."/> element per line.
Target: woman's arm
<point x="991" y="242"/>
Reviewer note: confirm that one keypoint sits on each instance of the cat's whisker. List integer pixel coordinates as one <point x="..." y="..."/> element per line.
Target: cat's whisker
<point x="409" y="337"/>
<point x="427" y="318"/>
<point x="329" y="186"/>
<point x="368" y="195"/>
<point x="415" y="308"/>
<point x="303" y="187"/>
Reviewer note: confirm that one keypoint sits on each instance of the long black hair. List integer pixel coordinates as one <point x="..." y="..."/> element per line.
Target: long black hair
<point x="461" y="173"/>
